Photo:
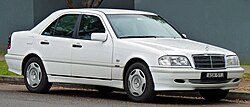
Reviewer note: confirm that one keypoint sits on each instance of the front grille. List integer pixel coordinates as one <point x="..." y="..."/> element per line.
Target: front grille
<point x="209" y="61"/>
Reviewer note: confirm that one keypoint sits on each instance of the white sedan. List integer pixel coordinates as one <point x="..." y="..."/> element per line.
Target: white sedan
<point x="132" y="50"/>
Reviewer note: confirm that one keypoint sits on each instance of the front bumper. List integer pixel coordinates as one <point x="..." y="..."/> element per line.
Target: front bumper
<point x="184" y="79"/>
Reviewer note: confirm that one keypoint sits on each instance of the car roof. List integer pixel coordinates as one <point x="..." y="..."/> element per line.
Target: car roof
<point x="109" y="11"/>
<point x="37" y="28"/>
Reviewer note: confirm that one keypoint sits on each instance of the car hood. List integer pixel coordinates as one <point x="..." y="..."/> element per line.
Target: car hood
<point x="179" y="46"/>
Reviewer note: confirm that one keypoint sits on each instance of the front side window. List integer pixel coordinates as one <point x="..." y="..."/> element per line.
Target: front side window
<point x="141" y="26"/>
<point x="62" y="27"/>
<point x="90" y="24"/>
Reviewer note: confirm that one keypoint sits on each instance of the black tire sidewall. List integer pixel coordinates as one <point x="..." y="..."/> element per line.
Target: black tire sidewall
<point x="44" y="85"/>
<point x="149" y="92"/>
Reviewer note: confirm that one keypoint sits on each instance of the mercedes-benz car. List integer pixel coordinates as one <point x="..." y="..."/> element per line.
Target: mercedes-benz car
<point x="137" y="51"/>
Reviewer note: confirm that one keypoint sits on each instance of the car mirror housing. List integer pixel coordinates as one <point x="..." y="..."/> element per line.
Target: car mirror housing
<point x="185" y="36"/>
<point x="99" y="37"/>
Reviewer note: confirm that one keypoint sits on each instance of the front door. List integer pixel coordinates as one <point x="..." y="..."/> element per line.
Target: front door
<point x="91" y="59"/>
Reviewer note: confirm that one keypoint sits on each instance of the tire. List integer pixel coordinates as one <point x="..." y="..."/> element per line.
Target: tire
<point x="103" y="89"/>
<point x="35" y="77"/>
<point x="138" y="83"/>
<point x="213" y="95"/>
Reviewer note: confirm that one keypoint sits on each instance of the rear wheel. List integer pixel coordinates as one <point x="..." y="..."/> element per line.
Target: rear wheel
<point x="139" y="83"/>
<point x="213" y="95"/>
<point x="35" y="77"/>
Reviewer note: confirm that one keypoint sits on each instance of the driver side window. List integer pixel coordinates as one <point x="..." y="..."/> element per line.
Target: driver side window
<point x="62" y="27"/>
<point x="90" y="24"/>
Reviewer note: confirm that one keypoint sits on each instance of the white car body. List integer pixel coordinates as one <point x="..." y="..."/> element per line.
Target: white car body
<point x="103" y="63"/>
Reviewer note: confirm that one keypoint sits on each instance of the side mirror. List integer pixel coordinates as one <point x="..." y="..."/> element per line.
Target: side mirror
<point x="185" y="36"/>
<point x="99" y="37"/>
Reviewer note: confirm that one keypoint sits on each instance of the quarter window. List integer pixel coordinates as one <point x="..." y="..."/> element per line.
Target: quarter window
<point x="62" y="27"/>
<point x="90" y="24"/>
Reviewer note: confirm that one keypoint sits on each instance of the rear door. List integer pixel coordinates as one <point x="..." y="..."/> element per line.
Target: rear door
<point x="55" y="43"/>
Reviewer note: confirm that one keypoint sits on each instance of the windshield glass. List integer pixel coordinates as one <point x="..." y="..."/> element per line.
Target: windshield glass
<point x="141" y="26"/>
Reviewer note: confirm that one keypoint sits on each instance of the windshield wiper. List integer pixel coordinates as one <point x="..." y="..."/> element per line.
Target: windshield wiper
<point x="137" y="37"/>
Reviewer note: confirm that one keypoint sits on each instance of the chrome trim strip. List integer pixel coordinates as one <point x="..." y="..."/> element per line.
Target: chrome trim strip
<point x="67" y="62"/>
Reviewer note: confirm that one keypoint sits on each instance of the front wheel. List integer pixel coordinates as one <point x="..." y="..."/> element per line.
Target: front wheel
<point x="213" y="95"/>
<point x="139" y="83"/>
<point x="35" y="77"/>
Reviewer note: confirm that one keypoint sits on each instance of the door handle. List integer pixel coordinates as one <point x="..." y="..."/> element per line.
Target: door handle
<point x="77" y="46"/>
<point x="44" y="42"/>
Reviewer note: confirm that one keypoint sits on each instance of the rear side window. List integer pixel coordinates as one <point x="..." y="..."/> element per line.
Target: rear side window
<point x="62" y="27"/>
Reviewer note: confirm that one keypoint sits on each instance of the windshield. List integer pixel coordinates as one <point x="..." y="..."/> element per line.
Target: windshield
<point x="141" y="26"/>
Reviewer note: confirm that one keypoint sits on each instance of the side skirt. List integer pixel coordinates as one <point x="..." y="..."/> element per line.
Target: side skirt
<point x="86" y="81"/>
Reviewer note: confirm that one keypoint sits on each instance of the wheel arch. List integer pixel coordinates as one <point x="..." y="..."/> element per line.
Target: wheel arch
<point x="26" y="58"/>
<point x="132" y="61"/>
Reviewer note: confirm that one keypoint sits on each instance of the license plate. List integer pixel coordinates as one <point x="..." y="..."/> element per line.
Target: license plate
<point x="213" y="75"/>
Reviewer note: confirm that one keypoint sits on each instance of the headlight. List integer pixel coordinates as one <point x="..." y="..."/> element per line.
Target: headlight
<point x="233" y="61"/>
<point x="174" y="61"/>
